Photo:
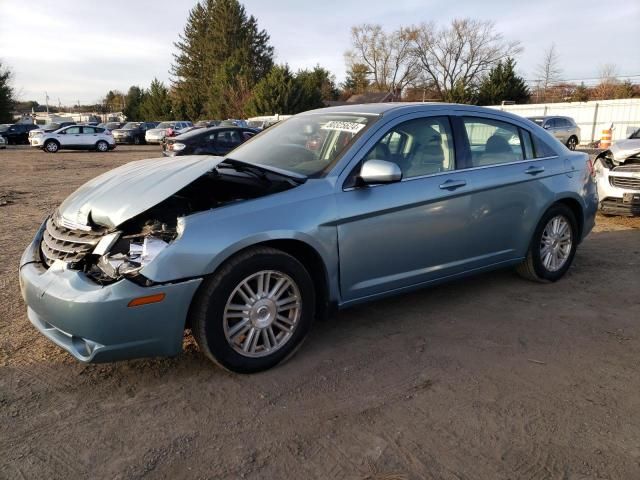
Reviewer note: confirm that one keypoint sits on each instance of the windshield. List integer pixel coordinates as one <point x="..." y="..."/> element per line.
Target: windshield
<point x="166" y="125"/>
<point x="308" y="144"/>
<point x="131" y="126"/>
<point x="537" y="120"/>
<point x="51" y="126"/>
<point x="636" y="134"/>
<point x="255" y="124"/>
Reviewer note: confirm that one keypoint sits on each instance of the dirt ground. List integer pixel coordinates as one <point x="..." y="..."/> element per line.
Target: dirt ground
<point x="487" y="378"/>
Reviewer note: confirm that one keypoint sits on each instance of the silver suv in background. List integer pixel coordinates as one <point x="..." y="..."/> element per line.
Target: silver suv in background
<point x="563" y="128"/>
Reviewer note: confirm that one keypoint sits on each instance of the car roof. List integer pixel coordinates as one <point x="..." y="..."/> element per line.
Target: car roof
<point x="401" y="108"/>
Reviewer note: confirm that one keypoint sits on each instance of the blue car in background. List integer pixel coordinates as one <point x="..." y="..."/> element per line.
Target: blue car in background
<point x="327" y="209"/>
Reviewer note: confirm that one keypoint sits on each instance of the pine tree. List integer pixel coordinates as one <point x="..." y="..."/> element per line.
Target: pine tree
<point x="319" y="79"/>
<point x="277" y="93"/>
<point x="133" y="101"/>
<point x="156" y="104"/>
<point x="501" y="84"/>
<point x="6" y="96"/>
<point x="357" y="80"/>
<point x="220" y="50"/>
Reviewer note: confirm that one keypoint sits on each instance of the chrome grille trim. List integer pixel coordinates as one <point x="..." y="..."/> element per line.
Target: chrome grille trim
<point x="625" y="182"/>
<point x="632" y="167"/>
<point x="61" y="243"/>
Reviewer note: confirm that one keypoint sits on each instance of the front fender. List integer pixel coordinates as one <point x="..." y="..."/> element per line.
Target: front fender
<point x="209" y="238"/>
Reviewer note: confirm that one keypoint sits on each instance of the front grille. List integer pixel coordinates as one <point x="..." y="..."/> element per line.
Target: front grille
<point x="61" y="243"/>
<point x="625" y="182"/>
<point x="632" y="167"/>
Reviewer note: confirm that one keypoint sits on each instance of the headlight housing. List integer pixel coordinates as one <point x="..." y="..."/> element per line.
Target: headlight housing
<point x="178" y="146"/>
<point x="128" y="263"/>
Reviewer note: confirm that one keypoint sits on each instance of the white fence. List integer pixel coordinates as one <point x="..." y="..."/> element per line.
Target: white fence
<point x="591" y="117"/>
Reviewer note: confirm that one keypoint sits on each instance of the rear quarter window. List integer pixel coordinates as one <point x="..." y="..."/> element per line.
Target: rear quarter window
<point x="541" y="148"/>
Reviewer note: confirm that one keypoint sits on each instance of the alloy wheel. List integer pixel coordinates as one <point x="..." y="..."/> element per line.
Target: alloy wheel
<point x="556" y="243"/>
<point x="262" y="313"/>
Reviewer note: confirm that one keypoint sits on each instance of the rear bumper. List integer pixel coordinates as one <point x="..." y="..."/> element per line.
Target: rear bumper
<point x="94" y="323"/>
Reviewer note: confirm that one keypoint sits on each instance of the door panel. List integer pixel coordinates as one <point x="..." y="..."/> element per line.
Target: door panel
<point x="394" y="236"/>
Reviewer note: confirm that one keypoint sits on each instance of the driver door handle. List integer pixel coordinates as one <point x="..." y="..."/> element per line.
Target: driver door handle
<point x="452" y="184"/>
<point x="534" y="170"/>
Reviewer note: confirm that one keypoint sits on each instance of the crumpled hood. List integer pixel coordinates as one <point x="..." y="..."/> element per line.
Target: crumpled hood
<point x="622" y="149"/>
<point x="120" y="194"/>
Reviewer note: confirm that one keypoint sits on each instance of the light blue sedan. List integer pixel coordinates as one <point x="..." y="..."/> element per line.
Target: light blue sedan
<point x="328" y="209"/>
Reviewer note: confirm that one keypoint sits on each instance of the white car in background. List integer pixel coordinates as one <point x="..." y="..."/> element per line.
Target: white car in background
<point x="617" y="172"/>
<point x="3" y="142"/>
<point x="156" y="135"/>
<point x="75" y="137"/>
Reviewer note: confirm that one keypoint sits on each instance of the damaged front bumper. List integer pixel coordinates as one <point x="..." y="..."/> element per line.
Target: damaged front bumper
<point x="95" y="322"/>
<point x="619" y="190"/>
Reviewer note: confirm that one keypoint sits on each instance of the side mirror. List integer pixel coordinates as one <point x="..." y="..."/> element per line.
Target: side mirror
<point x="380" y="171"/>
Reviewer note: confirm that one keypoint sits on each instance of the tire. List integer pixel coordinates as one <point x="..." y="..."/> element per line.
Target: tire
<point x="51" y="146"/>
<point x="535" y="267"/>
<point x="221" y="297"/>
<point x="137" y="141"/>
<point x="102" y="146"/>
<point x="572" y="143"/>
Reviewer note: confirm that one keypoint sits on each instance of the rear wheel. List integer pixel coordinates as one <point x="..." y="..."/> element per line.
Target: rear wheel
<point x="136" y="141"/>
<point x="572" y="143"/>
<point x="51" y="146"/>
<point x="102" y="146"/>
<point x="255" y="311"/>
<point x="553" y="246"/>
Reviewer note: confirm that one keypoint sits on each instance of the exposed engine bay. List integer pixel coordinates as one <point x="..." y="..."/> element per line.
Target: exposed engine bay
<point x="107" y="255"/>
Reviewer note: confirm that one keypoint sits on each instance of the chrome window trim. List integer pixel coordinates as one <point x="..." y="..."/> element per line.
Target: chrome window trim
<point x="461" y="170"/>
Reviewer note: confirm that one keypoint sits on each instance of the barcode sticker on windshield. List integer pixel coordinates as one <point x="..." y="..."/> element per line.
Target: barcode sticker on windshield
<point x="352" y="127"/>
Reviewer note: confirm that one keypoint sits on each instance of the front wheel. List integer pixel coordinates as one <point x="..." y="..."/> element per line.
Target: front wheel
<point x="572" y="143"/>
<point x="553" y="246"/>
<point x="137" y="141"/>
<point x="51" y="146"/>
<point x="255" y="311"/>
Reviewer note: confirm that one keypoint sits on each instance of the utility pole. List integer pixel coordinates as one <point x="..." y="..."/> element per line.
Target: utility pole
<point x="46" y="99"/>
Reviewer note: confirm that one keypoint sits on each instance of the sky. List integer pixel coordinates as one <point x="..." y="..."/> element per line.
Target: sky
<point x="77" y="51"/>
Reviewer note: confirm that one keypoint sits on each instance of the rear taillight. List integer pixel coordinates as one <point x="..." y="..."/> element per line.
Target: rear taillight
<point x="590" y="168"/>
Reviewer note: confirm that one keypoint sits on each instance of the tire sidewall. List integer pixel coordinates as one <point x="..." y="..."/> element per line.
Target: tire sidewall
<point x="51" y="142"/>
<point x="538" y="266"/>
<point x="214" y="301"/>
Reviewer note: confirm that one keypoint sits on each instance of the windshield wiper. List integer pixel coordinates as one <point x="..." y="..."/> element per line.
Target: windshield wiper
<point x="261" y="171"/>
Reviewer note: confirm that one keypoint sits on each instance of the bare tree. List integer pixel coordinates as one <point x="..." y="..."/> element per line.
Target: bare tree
<point x="456" y="57"/>
<point x="387" y="56"/>
<point x="608" y="86"/>
<point x="547" y="73"/>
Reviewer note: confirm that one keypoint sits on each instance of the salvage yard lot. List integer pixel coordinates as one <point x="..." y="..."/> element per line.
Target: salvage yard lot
<point x="490" y="377"/>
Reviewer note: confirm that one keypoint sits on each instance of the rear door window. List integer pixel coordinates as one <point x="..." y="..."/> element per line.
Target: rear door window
<point x="492" y="142"/>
